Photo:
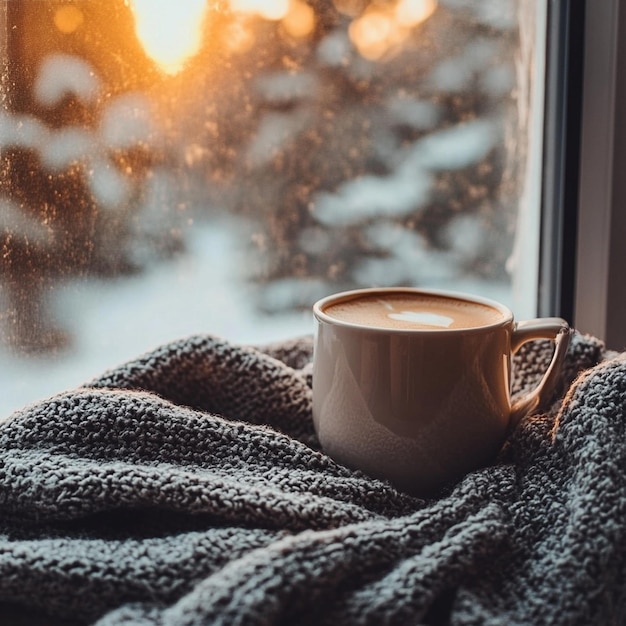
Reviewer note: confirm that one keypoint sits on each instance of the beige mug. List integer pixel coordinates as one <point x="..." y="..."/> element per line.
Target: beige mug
<point x="413" y="385"/>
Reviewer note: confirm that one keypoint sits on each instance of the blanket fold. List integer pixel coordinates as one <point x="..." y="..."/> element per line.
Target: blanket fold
<point x="187" y="487"/>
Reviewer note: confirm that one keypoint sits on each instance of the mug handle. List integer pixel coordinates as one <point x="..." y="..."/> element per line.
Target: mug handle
<point x="555" y="329"/>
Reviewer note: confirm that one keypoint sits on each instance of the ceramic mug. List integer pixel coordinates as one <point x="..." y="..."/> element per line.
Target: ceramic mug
<point x="413" y="385"/>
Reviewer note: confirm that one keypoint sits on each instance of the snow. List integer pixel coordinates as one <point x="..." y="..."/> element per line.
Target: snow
<point x="451" y="75"/>
<point x="314" y="240"/>
<point x="274" y="132"/>
<point x="457" y="74"/>
<point x="107" y="184"/>
<point x="18" y="223"/>
<point x="57" y="149"/>
<point x="203" y="291"/>
<point x="372" y="196"/>
<point x="22" y="130"/>
<point x="292" y="293"/>
<point x="498" y="14"/>
<point x="498" y="80"/>
<point x="64" y="147"/>
<point x="63" y="74"/>
<point x="126" y="121"/>
<point x="452" y="148"/>
<point x="408" y="188"/>
<point x="466" y="235"/>
<point x="155" y="217"/>
<point x="411" y="261"/>
<point x="285" y="87"/>
<point x="208" y="288"/>
<point x="417" y="114"/>
<point x="335" y="50"/>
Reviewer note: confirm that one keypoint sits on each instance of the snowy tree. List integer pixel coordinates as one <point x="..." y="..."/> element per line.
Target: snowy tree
<point x="366" y="142"/>
<point x="369" y="161"/>
<point x="80" y="156"/>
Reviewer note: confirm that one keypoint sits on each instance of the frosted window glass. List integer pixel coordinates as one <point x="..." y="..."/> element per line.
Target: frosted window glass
<point x="169" y="168"/>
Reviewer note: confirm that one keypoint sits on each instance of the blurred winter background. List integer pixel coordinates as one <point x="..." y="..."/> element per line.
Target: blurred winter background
<point x="153" y="185"/>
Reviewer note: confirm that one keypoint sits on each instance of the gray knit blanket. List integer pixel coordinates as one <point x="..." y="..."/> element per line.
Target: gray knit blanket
<point x="187" y="487"/>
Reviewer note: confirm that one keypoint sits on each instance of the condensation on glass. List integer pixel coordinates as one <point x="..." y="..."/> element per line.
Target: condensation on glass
<point x="170" y="168"/>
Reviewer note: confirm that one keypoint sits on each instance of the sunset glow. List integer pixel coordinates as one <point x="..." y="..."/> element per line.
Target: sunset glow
<point x="300" y="19"/>
<point x="170" y="32"/>
<point x="268" y="9"/>
<point x="410" y="13"/>
<point x="380" y="29"/>
<point x="68" y="18"/>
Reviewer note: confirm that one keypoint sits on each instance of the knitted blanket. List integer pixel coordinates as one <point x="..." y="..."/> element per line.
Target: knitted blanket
<point x="187" y="487"/>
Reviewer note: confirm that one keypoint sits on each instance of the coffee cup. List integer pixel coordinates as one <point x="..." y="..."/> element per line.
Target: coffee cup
<point x="413" y="385"/>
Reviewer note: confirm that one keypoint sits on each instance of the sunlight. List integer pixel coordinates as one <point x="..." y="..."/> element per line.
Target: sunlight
<point x="268" y="9"/>
<point x="379" y="30"/>
<point x="68" y="18"/>
<point x="410" y="13"/>
<point x="300" y="19"/>
<point x="371" y="33"/>
<point x="240" y="38"/>
<point x="170" y="32"/>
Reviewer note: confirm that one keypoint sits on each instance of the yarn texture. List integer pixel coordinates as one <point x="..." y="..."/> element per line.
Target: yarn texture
<point x="187" y="487"/>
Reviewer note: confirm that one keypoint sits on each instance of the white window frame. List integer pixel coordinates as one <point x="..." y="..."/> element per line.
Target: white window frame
<point x="600" y="293"/>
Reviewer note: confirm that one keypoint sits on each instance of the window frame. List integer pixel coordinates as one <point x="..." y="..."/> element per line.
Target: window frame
<point x="583" y="226"/>
<point x="600" y="297"/>
<point x="561" y="150"/>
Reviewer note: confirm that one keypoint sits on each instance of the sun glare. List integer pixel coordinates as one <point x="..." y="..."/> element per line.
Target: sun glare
<point x="299" y="21"/>
<point x="170" y="32"/>
<point x="268" y="9"/>
<point x="413" y="12"/>
<point x="371" y="34"/>
<point x="380" y="29"/>
<point x="68" y="18"/>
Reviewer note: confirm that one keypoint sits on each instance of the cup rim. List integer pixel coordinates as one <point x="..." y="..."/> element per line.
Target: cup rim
<point x="342" y="296"/>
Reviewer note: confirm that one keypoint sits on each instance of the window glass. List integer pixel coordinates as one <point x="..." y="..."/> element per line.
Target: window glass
<point x="169" y="168"/>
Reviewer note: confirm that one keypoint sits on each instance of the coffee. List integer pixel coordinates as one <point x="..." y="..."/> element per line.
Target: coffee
<point x="414" y="386"/>
<point x="413" y="311"/>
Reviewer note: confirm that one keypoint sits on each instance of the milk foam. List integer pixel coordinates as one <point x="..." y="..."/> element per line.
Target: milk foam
<point x="406" y="311"/>
<point x="423" y="318"/>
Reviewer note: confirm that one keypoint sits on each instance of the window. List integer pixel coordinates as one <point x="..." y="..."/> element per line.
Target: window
<point x="216" y="169"/>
